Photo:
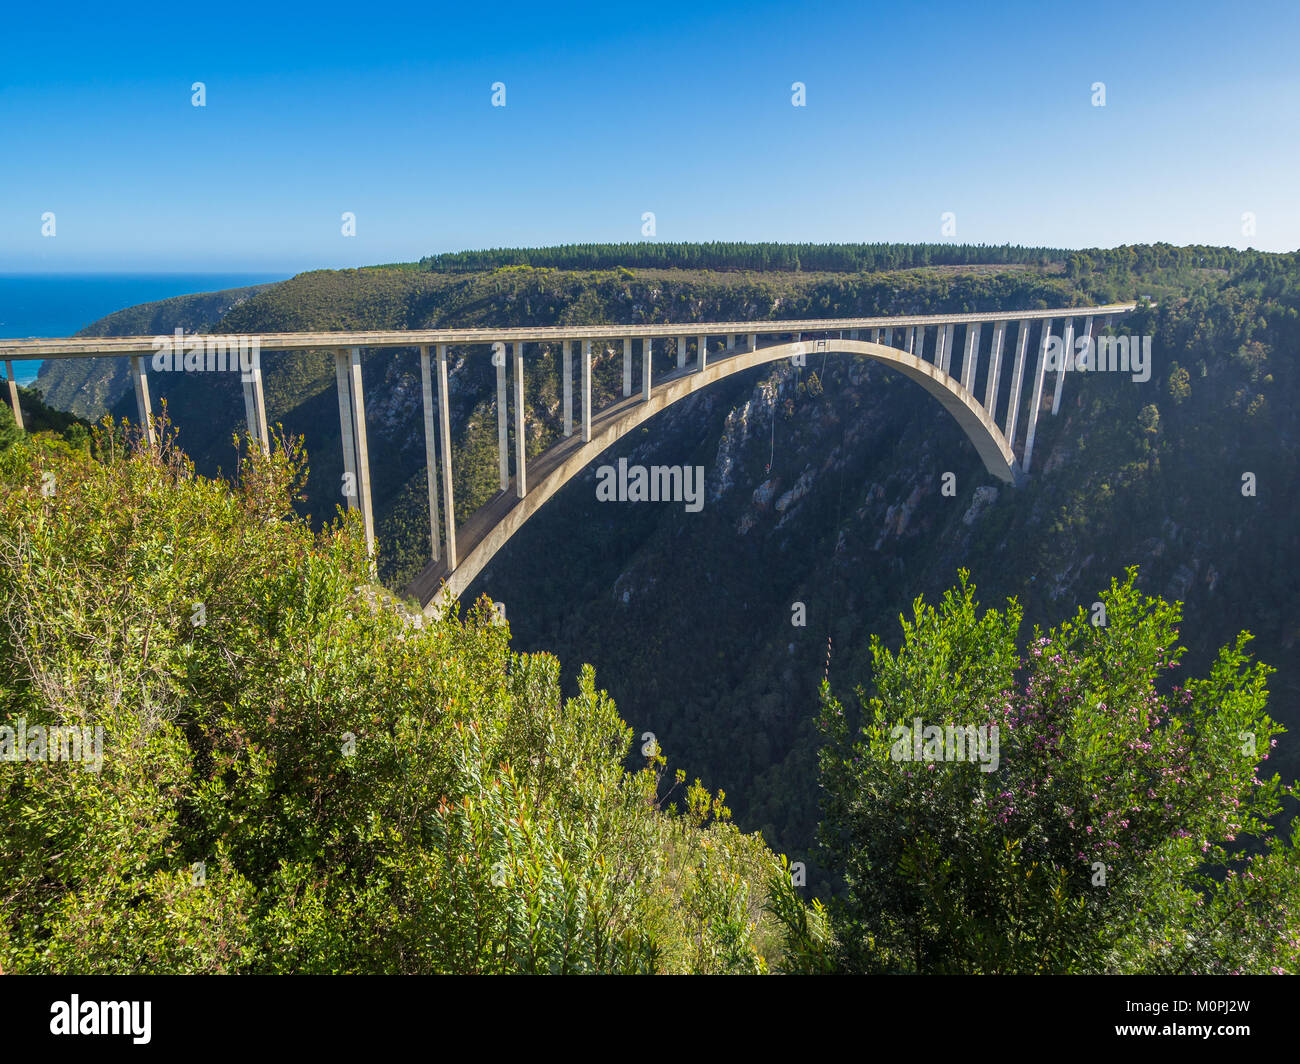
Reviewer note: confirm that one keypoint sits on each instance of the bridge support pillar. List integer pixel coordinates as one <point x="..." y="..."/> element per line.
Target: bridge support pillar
<point x="586" y="391"/>
<point x="1036" y="399"/>
<point x="681" y="352"/>
<point x="1067" y="363"/>
<point x="1092" y="351"/>
<point x="430" y="450"/>
<point x="566" y="373"/>
<point x="889" y="337"/>
<point x="255" y="404"/>
<point x="444" y="431"/>
<point x="940" y="338"/>
<point x="970" y="360"/>
<point x="753" y="341"/>
<point x="627" y="366"/>
<point x="909" y="339"/>
<point x="703" y="355"/>
<point x="1017" y="380"/>
<point x="875" y="336"/>
<point x="647" y="367"/>
<point x="141" y="383"/>
<point x="992" y="385"/>
<point x="13" y="393"/>
<point x="731" y="341"/>
<point x="521" y="436"/>
<point x="853" y="334"/>
<point x="919" y="350"/>
<point x="503" y="429"/>
<point x="352" y="422"/>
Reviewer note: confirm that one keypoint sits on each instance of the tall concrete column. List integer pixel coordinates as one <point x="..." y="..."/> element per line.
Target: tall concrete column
<point x="991" y="386"/>
<point x="703" y="354"/>
<point x="753" y="341"/>
<point x="909" y="339"/>
<point x="586" y="391"/>
<point x="1036" y="399"/>
<point x="920" y="343"/>
<point x="1067" y="362"/>
<point x="853" y="334"/>
<point x="940" y="338"/>
<point x="13" y="393"/>
<point x="444" y="430"/>
<point x="503" y="427"/>
<point x="875" y="336"/>
<point x="521" y="434"/>
<point x="430" y="450"/>
<point x="889" y="337"/>
<point x="627" y="366"/>
<point x="255" y="404"/>
<point x="681" y="352"/>
<point x="346" y="434"/>
<point x="647" y="367"/>
<point x="142" y="407"/>
<point x="352" y="425"/>
<point x="970" y="360"/>
<point x="1017" y="379"/>
<point x="731" y="342"/>
<point x="358" y="400"/>
<point x="566" y="372"/>
<point x="1091" y="348"/>
<point x="949" y="342"/>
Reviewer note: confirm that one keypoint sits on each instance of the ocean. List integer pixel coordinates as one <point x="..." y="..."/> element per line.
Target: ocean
<point x="52" y="304"/>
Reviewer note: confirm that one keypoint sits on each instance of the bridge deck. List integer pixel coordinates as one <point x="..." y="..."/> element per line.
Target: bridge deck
<point x="93" y="346"/>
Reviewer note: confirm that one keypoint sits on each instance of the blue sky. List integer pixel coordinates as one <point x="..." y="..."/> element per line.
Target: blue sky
<point x="612" y="110"/>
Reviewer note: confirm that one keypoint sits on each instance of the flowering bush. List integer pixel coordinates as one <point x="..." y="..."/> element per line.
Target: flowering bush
<point x="1125" y="828"/>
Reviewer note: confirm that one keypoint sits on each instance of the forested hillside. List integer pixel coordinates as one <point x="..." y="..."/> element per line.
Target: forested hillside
<point x="687" y="617"/>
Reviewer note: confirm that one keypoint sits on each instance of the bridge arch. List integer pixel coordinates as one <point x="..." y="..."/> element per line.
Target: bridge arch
<point x="492" y="525"/>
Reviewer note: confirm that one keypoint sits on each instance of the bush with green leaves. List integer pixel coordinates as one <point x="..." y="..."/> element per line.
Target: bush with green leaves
<point x="300" y="777"/>
<point x="1126" y="827"/>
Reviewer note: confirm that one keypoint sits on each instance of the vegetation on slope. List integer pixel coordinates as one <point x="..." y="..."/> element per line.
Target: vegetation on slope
<point x="1124" y="826"/>
<point x="295" y="777"/>
<point x="298" y="777"/>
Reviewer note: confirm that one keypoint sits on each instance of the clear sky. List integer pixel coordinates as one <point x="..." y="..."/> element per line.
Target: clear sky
<point x="614" y="109"/>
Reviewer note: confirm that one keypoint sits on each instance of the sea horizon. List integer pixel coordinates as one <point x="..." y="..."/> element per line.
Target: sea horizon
<point x="62" y="304"/>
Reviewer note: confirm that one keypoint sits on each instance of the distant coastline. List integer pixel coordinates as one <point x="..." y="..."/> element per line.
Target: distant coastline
<point x="52" y="304"/>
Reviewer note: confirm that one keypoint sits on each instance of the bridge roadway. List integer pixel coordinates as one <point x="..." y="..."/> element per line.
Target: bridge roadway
<point x="92" y="346"/>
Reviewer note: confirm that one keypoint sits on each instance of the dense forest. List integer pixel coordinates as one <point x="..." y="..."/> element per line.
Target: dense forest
<point x="824" y="491"/>
<point x="832" y="258"/>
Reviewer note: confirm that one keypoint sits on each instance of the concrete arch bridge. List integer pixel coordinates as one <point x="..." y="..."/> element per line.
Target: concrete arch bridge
<point x="964" y="372"/>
